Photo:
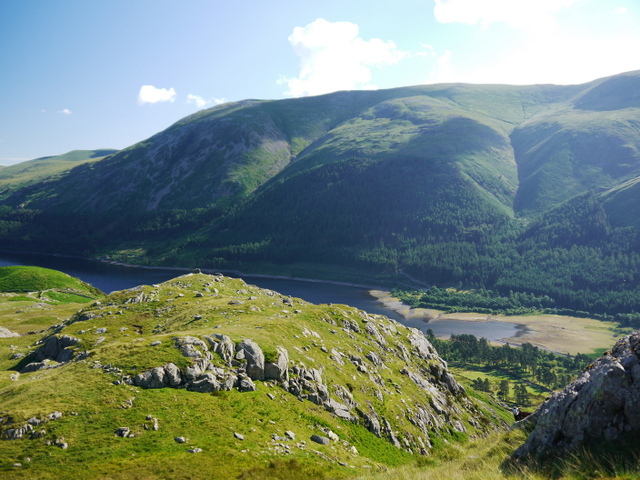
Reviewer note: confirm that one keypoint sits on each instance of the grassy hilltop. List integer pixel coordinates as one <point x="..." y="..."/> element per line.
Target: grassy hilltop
<point x="84" y="378"/>
<point x="160" y="381"/>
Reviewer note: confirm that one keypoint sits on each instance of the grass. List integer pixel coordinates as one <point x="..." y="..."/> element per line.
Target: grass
<point x="199" y="305"/>
<point x="29" y="279"/>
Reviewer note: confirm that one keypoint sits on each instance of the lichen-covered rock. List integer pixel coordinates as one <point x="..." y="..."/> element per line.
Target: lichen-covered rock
<point x="601" y="405"/>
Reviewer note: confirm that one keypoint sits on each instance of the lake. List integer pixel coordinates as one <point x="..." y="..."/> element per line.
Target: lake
<point x="111" y="277"/>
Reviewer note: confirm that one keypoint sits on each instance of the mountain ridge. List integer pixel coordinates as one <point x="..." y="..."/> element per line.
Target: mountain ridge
<point x="440" y="181"/>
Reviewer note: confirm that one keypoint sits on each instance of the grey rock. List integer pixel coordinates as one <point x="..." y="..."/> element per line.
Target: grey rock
<point x="58" y="348"/>
<point x="255" y="358"/>
<point x="320" y="439"/>
<point x="194" y="371"/>
<point x="600" y="406"/>
<point x="6" y="333"/>
<point x="17" y="433"/>
<point x="239" y="436"/>
<point x="278" y="370"/>
<point x="123" y="432"/>
<point x="180" y="440"/>
<point x="245" y="384"/>
<point x="172" y="375"/>
<point x="55" y="415"/>
<point x="223" y="346"/>
<point x="206" y="383"/>
<point x="192" y="347"/>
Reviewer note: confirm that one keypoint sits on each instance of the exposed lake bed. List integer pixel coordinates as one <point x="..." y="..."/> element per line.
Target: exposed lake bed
<point x="558" y="333"/>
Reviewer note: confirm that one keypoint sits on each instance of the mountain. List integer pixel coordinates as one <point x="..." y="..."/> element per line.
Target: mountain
<point x="515" y="188"/>
<point x="205" y="376"/>
<point x="45" y="169"/>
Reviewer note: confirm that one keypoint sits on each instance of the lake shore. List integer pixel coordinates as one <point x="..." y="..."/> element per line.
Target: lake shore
<point x="558" y="333"/>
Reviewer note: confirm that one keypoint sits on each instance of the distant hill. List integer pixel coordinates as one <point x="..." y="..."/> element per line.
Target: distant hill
<point x="45" y="169"/>
<point x="523" y="188"/>
<point x="34" y="279"/>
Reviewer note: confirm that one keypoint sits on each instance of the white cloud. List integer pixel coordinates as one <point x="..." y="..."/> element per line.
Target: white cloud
<point x="151" y="94"/>
<point x="620" y="10"/>
<point x="202" y="102"/>
<point x="533" y="15"/>
<point x="333" y="57"/>
<point x="66" y="111"/>
<point x="547" y="49"/>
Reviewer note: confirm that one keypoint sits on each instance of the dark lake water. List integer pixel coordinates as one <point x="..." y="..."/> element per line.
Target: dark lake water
<point x="109" y="277"/>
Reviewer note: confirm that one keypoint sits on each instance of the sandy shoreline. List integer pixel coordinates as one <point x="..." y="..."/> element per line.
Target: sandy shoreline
<point x="557" y="333"/>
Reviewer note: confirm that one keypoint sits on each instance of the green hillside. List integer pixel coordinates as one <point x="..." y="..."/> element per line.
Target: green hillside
<point x="509" y="188"/>
<point x="213" y="378"/>
<point x="33" y="279"/>
<point x="43" y="169"/>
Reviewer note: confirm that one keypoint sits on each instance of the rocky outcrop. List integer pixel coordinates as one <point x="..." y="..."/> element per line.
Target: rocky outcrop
<point x="6" y="333"/>
<point x="601" y="405"/>
<point x="56" y="350"/>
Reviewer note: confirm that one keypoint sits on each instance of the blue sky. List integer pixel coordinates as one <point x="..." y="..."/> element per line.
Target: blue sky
<point x="88" y="74"/>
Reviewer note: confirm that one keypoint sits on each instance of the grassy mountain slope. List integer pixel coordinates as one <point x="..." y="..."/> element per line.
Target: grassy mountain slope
<point x="441" y="182"/>
<point x="399" y="395"/>
<point x="44" y="169"/>
<point x="592" y="142"/>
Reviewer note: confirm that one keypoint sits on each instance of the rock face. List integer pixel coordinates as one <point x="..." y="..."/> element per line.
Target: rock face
<point x="602" y="404"/>
<point x="56" y="348"/>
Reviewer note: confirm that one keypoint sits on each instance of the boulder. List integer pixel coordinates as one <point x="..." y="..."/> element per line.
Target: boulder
<point x="254" y="357"/>
<point x="245" y="384"/>
<point x="278" y="370"/>
<point x="320" y="439"/>
<point x="57" y="348"/>
<point x="223" y="346"/>
<point x="206" y="383"/>
<point x="600" y="406"/>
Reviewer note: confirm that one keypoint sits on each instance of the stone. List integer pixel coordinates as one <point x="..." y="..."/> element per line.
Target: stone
<point x="254" y="357"/>
<point x="600" y="406"/>
<point x="320" y="439"/>
<point x="180" y="440"/>
<point x="206" y="383"/>
<point x="224" y="347"/>
<point x="278" y="370"/>
<point x="6" y="333"/>
<point x="57" y="348"/>
<point x="55" y="415"/>
<point x="239" y="436"/>
<point x="123" y="432"/>
<point x="245" y="384"/>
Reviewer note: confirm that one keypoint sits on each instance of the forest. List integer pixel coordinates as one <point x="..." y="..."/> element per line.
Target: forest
<point x="569" y="261"/>
<point x="527" y="365"/>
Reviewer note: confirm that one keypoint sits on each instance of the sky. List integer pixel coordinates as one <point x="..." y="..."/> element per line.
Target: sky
<point x="90" y="74"/>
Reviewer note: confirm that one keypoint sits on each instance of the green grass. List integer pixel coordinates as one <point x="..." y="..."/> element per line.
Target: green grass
<point x="173" y="309"/>
<point x="31" y="279"/>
